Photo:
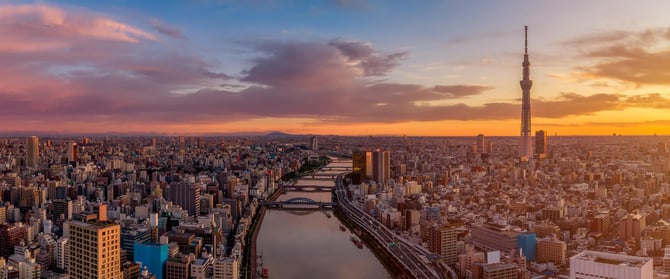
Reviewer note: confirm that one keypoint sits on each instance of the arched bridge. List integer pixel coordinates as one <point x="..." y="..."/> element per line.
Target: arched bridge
<point x="297" y="201"/>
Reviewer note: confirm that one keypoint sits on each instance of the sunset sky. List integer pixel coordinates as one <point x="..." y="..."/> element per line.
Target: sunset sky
<point x="348" y="67"/>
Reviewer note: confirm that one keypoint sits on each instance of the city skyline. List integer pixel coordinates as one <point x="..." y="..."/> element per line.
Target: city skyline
<point x="331" y="67"/>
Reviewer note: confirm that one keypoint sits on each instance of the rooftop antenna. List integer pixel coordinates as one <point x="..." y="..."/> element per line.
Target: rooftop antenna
<point x="526" y="39"/>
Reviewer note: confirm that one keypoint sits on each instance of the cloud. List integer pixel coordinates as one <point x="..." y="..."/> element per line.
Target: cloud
<point x="637" y="57"/>
<point x="118" y="75"/>
<point x="365" y="57"/>
<point x="166" y="29"/>
<point x="39" y="27"/>
<point x="314" y="64"/>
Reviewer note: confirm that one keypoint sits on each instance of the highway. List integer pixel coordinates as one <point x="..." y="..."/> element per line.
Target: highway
<point x="412" y="257"/>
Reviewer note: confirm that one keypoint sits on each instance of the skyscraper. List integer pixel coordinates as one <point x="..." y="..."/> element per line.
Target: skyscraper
<point x="95" y="250"/>
<point x="71" y="151"/>
<point x="314" y="143"/>
<point x="361" y="163"/>
<point x="186" y="195"/>
<point x="481" y="143"/>
<point x="526" y="144"/>
<point x="442" y="240"/>
<point x="381" y="166"/>
<point x="32" y="152"/>
<point x="541" y="143"/>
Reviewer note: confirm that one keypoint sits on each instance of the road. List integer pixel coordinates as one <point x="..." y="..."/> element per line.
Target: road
<point x="411" y="256"/>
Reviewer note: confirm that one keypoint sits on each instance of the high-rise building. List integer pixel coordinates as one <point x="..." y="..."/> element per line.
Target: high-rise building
<point x="32" y="152"/>
<point x="592" y="264"/>
<point x="442" y="240"/>
<point x="526" y="243"/>
<point x="361" y="164"/>
<point x="226" y="268"/>
<point x="62" y="253"/>
<point x="481" y="144"/>
<point x="381" y="166"/>
<point x="526" y="144"/>
<point x="631" y="226"/>
<point x="541" y="144"/>
<point x="314" y="143"/>
<point x="179" y="268"/>
<point x="71" y="151"/>
<point x="152" y="255"/>
<point x="95" y="250"/>
<point x="182" y="144"/>
<point x="551" y="250"/>
<point x="10" y="236"/>
<point x="186" y="195"/>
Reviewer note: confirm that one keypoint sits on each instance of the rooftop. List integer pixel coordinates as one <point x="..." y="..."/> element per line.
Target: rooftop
<point x="612" y="259"/>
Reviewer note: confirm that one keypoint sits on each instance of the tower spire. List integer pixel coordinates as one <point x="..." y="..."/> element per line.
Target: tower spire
<point x="526" y="39"/>
<point x="525" y="146"/>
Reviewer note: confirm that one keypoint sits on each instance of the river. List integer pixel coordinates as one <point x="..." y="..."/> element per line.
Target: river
<point x="309" y="244"/>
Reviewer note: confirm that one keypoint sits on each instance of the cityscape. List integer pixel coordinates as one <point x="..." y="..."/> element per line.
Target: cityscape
<point x="334" y="139"/>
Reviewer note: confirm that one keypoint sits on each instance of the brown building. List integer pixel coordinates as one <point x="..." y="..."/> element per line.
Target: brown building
<point x="500" y="271"/>
<point x="551" y="250"/>
<point x="179" y="267"/>
<point x="442" y="240"/>
<point x="10" y="236"/>
<point x="95" y="250"/>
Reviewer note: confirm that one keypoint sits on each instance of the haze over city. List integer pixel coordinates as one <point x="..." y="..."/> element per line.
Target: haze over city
<point x="342" y="67"/>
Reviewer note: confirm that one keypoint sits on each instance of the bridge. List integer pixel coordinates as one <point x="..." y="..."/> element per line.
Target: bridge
<point x="306" y="188"/>
<point x="319" y="176"/>
<point x="300" y="201"/>
<point x="336" y="168"/>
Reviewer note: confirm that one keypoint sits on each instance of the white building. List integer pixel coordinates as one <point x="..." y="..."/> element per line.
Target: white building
<point x="597" y="265"/>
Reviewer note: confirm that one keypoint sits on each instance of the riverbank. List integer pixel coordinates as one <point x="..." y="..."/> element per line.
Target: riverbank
<point x="251" y="253"/>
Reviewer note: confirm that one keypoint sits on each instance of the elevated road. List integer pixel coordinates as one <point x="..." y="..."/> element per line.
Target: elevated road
<point x="411" y="257"/>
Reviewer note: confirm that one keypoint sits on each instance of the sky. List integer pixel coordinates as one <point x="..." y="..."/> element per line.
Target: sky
<point x="346" y="67"/>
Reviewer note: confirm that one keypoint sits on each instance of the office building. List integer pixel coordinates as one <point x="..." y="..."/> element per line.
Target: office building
<point x="631" y="226"/>
<point x="551" y="250"/>
<point x="71" y="151"/>
<point x="95" y="250"/>
<point x="361" y="165"/>
<point x="226" y="268"/>
<point x="32" y="152"/>
<point x="313" y="143"/>
<point x="186" y="195"/>
<point x="179" y="267"/>
<point x="600" y="224"/>
<point x="154" y="256"/>
<point x="381" y="166"/>
<point x="526" y="243"/>
<point x="526" y="145"/>
<point x="541" y="144"/>
<point x="592" y="264"/>
<point x="500" y="271"/>
<point x="10" y="236"/>
<point x="491" y="237"/>
<point x="131" y="235"/>
<point x="442" y="241"/>
<point x="62" y="253"/>
<point x="481" y="144"/>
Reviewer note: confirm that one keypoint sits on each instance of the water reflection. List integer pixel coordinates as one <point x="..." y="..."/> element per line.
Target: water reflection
<point x="310" y="244"/>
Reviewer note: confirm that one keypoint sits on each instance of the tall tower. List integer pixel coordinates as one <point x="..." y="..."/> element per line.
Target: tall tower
<point x="526" y="145"/>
